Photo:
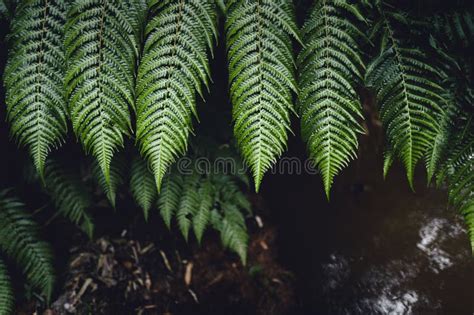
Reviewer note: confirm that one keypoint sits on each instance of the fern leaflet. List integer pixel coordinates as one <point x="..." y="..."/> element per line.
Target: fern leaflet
<point x="6" y="292"/>
<point x="117" y="171"/>
<point x="142" y="185"/>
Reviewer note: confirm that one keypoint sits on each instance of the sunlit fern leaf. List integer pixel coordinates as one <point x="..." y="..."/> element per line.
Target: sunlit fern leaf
<point x="6" y="292"/>
<point x="330" y="67"/>
<point x="19" y="240"/>
<point x="203" y="213"/>
<point x="262" y="78"/>
<point x="69" y="195"/>
<point x="101" y="50"/>
<point x="233" y="231"/>
<point x="142" y="185"/>
<point x="172" y="70"/>
<point x="169" y="197"/>
<point x="189" y="203"/>
<point x="117" y="175"/>
<point x="33" y="78"/>
<point x="387" y="160"/>
<point x="408" y="93"/>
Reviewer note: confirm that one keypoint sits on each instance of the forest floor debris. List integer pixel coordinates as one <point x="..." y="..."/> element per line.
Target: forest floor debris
<point x="127" y="276"/>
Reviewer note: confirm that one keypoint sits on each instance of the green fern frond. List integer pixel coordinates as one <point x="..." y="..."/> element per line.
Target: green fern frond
<point x="7" y="8"/>
<point x="198" y="201"/>
<point x="330" y="67"/>
<point x="117" y="176"/>
<point x="203" y="213"/>
<point x="262" y="78"/>
<point x="233" y="230"/>
<point x="169" y="197"/>
<point x="457" y="27"/>
<point x="101" y="47"/>
<point x="142" y="185"/>
<point x="458" y="172"/>
<point x="33" y="78"/>
<point x="7" y="299"/>
<point x="3" y="9"/>
<point x="189" y="203"/>
<point x="19" y="240"/>
<point x="410" y="98"/>
<point x="173" y="69"/>
<point x="69" y="195"/>
<point x="438" y="147"/>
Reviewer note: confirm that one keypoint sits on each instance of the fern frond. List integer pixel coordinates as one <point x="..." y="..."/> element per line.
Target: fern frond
<point x="36" y="106"/>
<point x="203" y="213"/>
<point x="189" y="203"/>
<point x="6" y="292"/>
<point x="169" y="197"/>
<point x="457" y="27"/>
<point x="142" y="185"/>
<point x="117" y="176"/>
<point x="19" y="240"/>
<point x="7" y="8"/>
<point x="438" y="147"/>
<point x="69" y="195"/>
<point x="233" y="231"/>
<point x="458" y="172"/>
<point x="173" y="69"/>
<point x="262" y="78"/>
<point x="410" y="98"/>
<point x="101" y="50"/>
<point x="330" y="67"/>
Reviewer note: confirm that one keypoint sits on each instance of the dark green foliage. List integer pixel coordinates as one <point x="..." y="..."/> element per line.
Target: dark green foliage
<point x="262" y="78"/>
<point x="457" y="172"/>
<point x="457" y="27"/>
<point x="101" y="45"/>
<point x="69" y="195"/>
<point x="188" y="203"/>
<point x="19" y="240"/>
<point x="410" y="96"/>
<point x="173" y="69"/>
<point x="142" y="185"/>
<point x="34" y="76"/>
<point x="117" y="175"/>
<point x="330" y="67"/>
<point x="6" y="291"/>
<point x="201" y="199"/>
<point x="170" y="194"/>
